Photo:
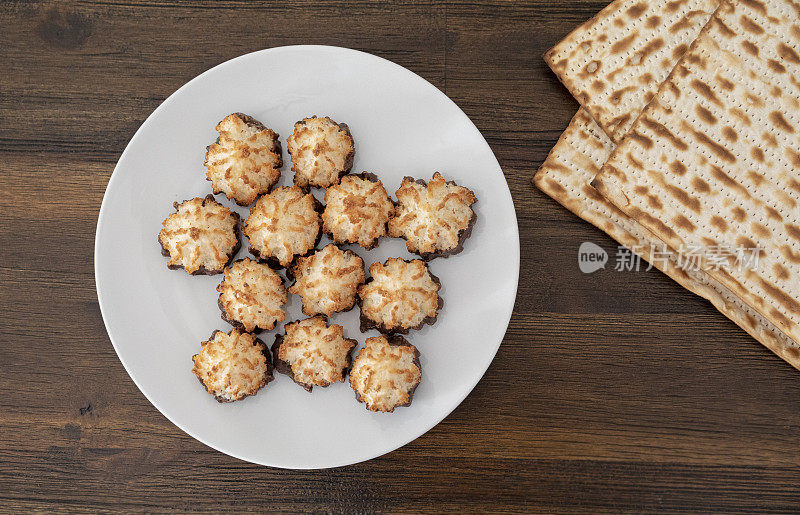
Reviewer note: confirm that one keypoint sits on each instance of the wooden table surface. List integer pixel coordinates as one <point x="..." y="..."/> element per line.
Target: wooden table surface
<point x="611" y="391"/>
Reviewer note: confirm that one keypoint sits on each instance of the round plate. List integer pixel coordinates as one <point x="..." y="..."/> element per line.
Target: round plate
<point x="156" y="318"/>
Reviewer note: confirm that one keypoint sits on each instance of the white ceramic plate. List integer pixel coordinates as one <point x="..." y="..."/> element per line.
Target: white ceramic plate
<point x="156" y="318"/>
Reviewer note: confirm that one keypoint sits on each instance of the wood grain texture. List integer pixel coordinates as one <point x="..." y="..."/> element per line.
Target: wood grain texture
<point x="614" y="391"/>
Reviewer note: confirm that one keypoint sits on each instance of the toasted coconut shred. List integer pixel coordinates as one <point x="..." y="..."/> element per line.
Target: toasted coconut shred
<point x="432" y="217"/>
<point x="317" y="354"/>
<point x="401" y="295"/>
<point x="357" y="210"/>
<point x="245" y="161"/>
<point x="328" y="280"/>
<point x="283" y="224"/>
<point x="252" y="295"/>
<point x="321" y="151"/>
<point x="201" y="236"/>
<point x="232" y="365"/>
<point x="385" y="374"/>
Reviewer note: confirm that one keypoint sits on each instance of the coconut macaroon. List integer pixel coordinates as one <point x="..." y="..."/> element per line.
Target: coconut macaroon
<point x="357" y="210"/>
<point x="245" y="161"/>
<point x="283" y="224"/>
<point x="233" y="365"/>
<point x="251" y="296"/>
<point x="321" y="151"/>
<point x="313" y="353"/>
<point x="399" y="296"/>
<point x="385" y="373"/>
<point x="201" y="236"/>
<point x="327" y="281"/>
<point x="434" y="218"/>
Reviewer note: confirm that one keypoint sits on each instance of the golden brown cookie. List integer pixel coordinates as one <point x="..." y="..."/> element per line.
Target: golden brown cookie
<point x="251" y="296"/>
<point x="321" y="151"/>
<point x="357" y="210"/>
<point x="283" y="224"/>
<point x="399" y="296"/>
<point x="385" y="373"/>
<point x="233" y="365"/>
<point x="245" y="161"/>
<point x="434" y="218"/>
<point x="313" y="353"/>
<point x="201" y="236"/>
<point x="327" y="280"/>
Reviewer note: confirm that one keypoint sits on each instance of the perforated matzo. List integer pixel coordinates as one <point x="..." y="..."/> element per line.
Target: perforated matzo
<point x="565" y="175"/>
<point x="718" y="150"/>
<point x="614" y="63"/>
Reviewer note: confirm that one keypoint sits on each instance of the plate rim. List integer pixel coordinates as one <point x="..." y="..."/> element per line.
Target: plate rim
<point x="100" y="222"/>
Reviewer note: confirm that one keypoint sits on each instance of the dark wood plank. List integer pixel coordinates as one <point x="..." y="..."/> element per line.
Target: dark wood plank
<point x="613" y="391"/>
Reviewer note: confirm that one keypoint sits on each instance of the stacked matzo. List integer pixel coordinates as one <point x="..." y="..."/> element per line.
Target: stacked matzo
<point x="630" y="66"/>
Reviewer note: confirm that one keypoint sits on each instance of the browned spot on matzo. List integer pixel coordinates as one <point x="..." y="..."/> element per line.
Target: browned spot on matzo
<point x="788" y="53"/>
<point x="760" y="230"/>
<point x="653" y="22"/>
<point x="753" y="100"/>
<point x="780" y="122"/>
<point x="755" y="5"/>
<point x="700" y="185"/>
<point x="775" y="66"/>
<point x="778" y="294"/>
<point x="637" y="10"/>
<point x="750" y="26"/>
<point x="793" y="231"/>
<point x="634" y="162"/>
<point x="682" y="197"/>
<point x="623" y="44"/>
<point x="730" y="134"/>
<point x="773" y="214"/>
<point x="794" y="157"/>
<point x="649" y="49"/>
<point x="725" y="179"/>
<point x="616" y="97"/>
<point x="721" y="152"/>
<point x="679" y="51"/>
<point x="705" y="114"/>
<point x="654" y="203"/>
<point x="681" y="222"/>
<point x="674" y="5"/>
<point x="685" y="22"/>
<point x="678" y="168"/>
<point x="740" y="115"/>
<point x="789" y="254"/>
<point x="723" y="28"/>
<point x="755" y="177"/>
<point x="745" y="242"/>
<point x="780" y="271"/>
<point x="719" y="223"/>
<point x="661" y="131"/>
<point x="780" y="318"/>
<point x="770" y="140"/>
<point x="706" y="91"/>
<point x="723" y="82"/>
<point x="750" y="48"/>
<point x="641" y="139"/>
